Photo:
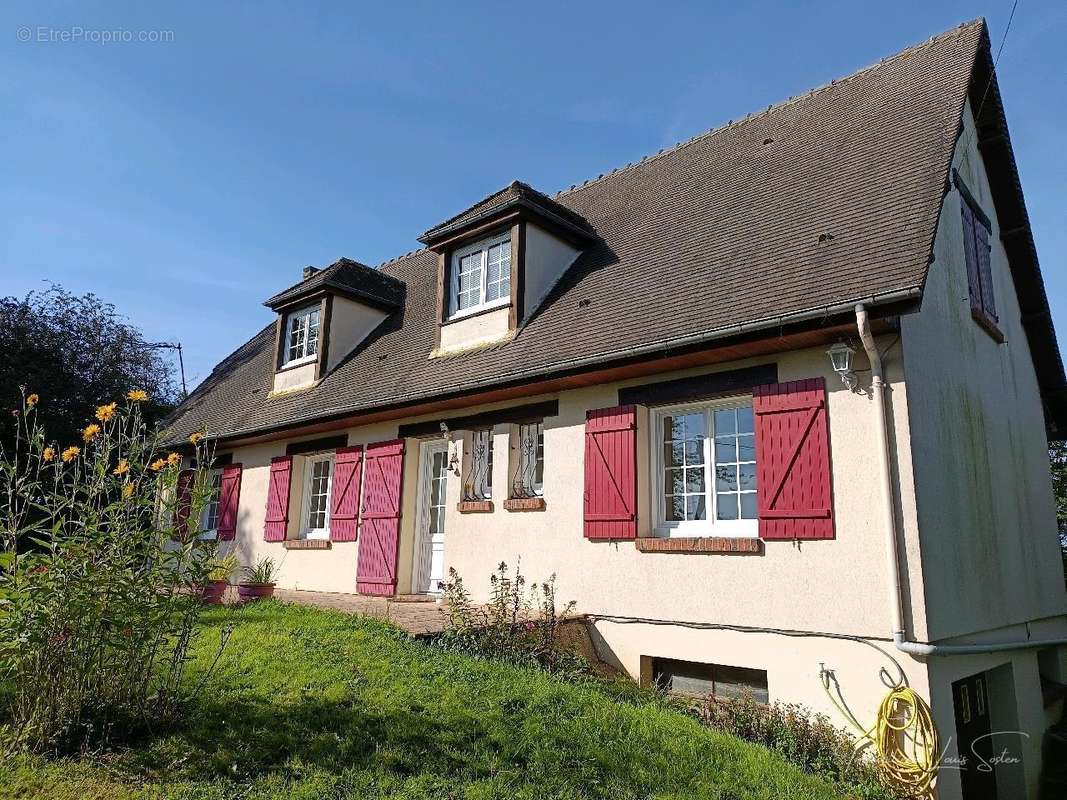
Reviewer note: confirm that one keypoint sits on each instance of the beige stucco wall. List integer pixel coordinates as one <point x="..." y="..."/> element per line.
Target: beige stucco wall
<point x="474" y="331"/>
<point x="288" y="380"/>
<point x="350" y="324"/>
<point x="985" y="504"/>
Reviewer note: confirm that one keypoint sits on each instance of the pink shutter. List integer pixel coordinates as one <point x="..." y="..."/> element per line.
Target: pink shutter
<point x="611" y="473"/>
<point x="985" y="269"/>
<point x="183" y="494"/>
<point x="793" y="460"/>
<point x="229" y="501"/>
<point x="380" y="513"/>
<point x="344" y="494"/>
<point x="970" y="255"/>
<point x="277" y="519"/>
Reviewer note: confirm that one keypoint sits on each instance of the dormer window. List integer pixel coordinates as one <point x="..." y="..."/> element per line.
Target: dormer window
<point x="481" y="276"/>
<point x="302" y="336"/>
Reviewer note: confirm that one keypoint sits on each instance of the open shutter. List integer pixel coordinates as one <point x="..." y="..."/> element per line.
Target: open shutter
<point x="985" y="270"/>
<point x="277" y="519"/>
<point x="380" y="514"/>
<point x="970" y="255"/>
<point x="793" y="460"/>
<point x="183" y="494"/>
<point x="344" y="494"/>
<point x="611" y="473"/>
<point x="229" y="501"/>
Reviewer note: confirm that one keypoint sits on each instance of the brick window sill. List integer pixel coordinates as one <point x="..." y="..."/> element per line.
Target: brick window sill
<point x="699" y="544"/>
<point x="475" y="507"/>
<point x="524" y="504"/>
<point x="306" y="544"/>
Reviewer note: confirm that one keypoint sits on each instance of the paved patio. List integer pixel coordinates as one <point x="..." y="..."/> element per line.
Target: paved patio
<point x="417" y="617"/>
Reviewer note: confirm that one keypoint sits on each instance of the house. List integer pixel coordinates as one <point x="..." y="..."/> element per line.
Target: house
<point x="773" y="401"/>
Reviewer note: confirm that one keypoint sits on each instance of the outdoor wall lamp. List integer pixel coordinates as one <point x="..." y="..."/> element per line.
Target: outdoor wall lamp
<point x="841" y="360"/>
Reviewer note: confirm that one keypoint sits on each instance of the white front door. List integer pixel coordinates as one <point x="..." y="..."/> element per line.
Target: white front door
<point x="430" y="544"/>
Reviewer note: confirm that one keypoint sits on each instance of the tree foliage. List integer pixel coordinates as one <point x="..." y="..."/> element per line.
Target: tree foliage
<point x="1057" y="456"/>
<point x="77" y="353"/>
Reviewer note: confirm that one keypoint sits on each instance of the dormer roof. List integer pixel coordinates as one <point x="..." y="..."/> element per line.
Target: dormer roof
<point x="349" y="279"/>
<point x="516" y="196"/>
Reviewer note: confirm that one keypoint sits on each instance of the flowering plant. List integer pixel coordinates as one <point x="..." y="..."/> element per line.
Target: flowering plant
<point x="99" y="577"/>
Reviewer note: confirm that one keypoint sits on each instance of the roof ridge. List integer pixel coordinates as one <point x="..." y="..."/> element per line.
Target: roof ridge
<point x="664" y="151"/>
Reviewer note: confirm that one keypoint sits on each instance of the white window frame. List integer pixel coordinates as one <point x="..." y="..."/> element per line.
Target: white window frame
<point x="206" y="533"/>
<point x="706" y="527"/>
<point x="453" y="293"/>
<point x="308" y="357"/>
<point x="305" y="506"/>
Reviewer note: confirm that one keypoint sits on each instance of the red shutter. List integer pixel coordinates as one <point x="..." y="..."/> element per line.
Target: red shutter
<point x="344" y="494"/>
<point x="229" y="501"/>
<point x="611" y="473"/>
<point x="793" y="460"/>
<point x="183" y="501"/>
<point x="380" y="513"/>
<point x="277" y="519"/>
<point x="985" y="270"/>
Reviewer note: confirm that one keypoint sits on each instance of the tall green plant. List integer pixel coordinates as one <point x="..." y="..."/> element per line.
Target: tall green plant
<point x="99" y="579"/>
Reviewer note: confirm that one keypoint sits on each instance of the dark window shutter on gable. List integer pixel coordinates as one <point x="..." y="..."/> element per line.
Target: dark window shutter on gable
<point x="229" y="501"/>
<point x="345" y="494"/>
<point x="276" y="524"/>
<point x="379" y="542"/>
<point x="985" y="269"/>
<point x="183" y="494"/>
<point x="974" y="283"/>
<point x="976" y="253"/>
<point x="794" y="488"/>
<point x="611" y="473"/>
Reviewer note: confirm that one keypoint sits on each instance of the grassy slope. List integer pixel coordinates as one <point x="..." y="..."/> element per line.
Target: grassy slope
<point x="314" y="704"/>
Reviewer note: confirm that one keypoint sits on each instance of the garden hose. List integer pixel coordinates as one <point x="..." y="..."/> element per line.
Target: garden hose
<point x="904" y="738"/>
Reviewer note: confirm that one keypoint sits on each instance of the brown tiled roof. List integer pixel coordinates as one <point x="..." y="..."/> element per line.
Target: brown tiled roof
<point x="831" y="197"/>
<point x="347" y="277"/>
<point x="514" y="194"/>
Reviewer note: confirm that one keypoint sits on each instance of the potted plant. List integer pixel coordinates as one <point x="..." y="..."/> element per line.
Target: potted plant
<point x="259" y="580"/>
<point x="218" y="579"/>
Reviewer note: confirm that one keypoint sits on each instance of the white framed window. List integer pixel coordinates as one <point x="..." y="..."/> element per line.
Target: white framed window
<point x="529" y="469"/>
<point x="301" y="336"/>
<point x="478" y="481"/>
<point x="704" y="469"/>
<point x="318" y="484"/>
<point x="209" y="515"/>
<point x="481" y="276"/>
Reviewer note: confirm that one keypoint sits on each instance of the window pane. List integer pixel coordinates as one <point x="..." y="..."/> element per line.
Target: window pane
<point x="676" y="508"/>
<point x="674" y="454"/>
<point x="674" y="481"/>
<point x="671" y="430"/>
<point x="726" y="506"/>
<point x="744" y="419"/>
<point x="695" y="507"/>
<point x="695" y="425"/>
<point x="746" y="448"/>
<point x="694" y="452"/>
<point x="694" y="480"/>
<point x="748" y="506"/>
<point x="726" y="478"/>
<point x="725" y="421"/>
<point x="747" y="477"/>
<point x="725" y="450"/>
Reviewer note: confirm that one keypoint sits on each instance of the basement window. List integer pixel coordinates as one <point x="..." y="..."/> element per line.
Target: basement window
<point x="696" y="679"/>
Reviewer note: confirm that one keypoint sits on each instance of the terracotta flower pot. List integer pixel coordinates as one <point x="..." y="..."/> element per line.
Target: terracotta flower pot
<point x="212" y="592"/>
<point x="248" y="592"/>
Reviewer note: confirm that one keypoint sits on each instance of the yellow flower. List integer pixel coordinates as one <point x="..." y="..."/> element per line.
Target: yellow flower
<point x="90" y="432"/>
<point x="127" y="491"/>
<point x="157" y="465"/>
<point x="196" y="437"/>
<point x="48" y="454"/>
<point x="70" y="453"/>
<point x="137" y="395"/>
<point x="122" y="468"/>
<point x="31" y="400"/>
<point x="173" y="458"/>
<point x="104" y="413"/>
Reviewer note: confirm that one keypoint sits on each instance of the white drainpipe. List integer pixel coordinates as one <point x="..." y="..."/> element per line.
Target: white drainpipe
<point x="878" y="388"/>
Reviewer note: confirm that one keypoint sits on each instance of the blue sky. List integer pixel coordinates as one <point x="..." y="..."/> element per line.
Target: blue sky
<point x="187" y="180"/>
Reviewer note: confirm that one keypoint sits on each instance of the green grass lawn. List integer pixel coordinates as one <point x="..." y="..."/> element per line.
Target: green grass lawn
<point x="315" y="704"/>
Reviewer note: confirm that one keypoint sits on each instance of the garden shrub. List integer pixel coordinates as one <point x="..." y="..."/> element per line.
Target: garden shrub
<point x="518" y="626"/>
<point x="99" y="581"/>
<point x="808" y="740"/>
